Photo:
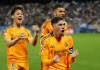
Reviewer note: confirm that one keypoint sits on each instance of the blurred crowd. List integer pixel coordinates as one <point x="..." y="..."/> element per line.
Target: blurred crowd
<point x="81" y="17"/>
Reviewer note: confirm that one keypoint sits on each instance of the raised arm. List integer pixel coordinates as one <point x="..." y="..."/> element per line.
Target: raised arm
<point x="32" y="40"/>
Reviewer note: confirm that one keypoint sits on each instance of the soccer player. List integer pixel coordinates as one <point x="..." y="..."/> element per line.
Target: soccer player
<point x="58" y="51"/>
<point x="16" y="37"/>
<point x="58" y="10"/>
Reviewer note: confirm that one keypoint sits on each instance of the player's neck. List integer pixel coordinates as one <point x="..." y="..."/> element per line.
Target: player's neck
<point x="57" y="36"/>
<point x="17" y="25"/>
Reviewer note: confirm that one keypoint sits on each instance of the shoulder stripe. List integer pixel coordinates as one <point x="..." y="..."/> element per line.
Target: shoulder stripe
<point x="45" y="23"/>
<point x="44" y="38"/>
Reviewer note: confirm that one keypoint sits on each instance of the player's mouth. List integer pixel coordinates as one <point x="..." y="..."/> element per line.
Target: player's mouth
<point x="19" y="19"/>
<point x="62" y="31"/>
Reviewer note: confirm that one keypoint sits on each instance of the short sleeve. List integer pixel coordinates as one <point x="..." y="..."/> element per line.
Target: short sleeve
<point x="7" y="34"/>
<point x="28" y="34"/>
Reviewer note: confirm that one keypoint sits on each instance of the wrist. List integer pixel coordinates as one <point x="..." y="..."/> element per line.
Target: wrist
<point x="35" y="34"/>
<point x="72" y="55"/>
<point x="18" y="38"/>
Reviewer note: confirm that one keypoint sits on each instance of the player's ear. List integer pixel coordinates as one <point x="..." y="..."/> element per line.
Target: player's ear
<point x="53" y="26"/>
<point x="12" y="16"/>
<point x="54" y="12"/>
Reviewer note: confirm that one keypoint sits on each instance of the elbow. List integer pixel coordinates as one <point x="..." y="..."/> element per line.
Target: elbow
<point x="34" y="44"/>
<point x="9" y="45"/>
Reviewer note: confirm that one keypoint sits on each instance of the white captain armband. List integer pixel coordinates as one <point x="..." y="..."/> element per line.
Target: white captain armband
<point x="70" y="51"/>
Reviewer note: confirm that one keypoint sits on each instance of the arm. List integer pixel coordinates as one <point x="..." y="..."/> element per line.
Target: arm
<point x="44" y="52"/>
<point x="8" y="39"/>
<point x="10" y="42"/>
<point x="46" y="60"/>
<point x="70" y="50"/>
<point x="32" y="40"/>
<point x="44" y="55"/>
<point x="71" y="54"/>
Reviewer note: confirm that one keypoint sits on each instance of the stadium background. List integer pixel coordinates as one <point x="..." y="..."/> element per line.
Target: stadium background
<point x="82" y="16"/>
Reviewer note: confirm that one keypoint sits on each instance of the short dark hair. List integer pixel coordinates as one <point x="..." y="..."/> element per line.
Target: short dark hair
<point x="17" y="7"/>
<point x="57" y="6"/>
<point x="56" y="19"/>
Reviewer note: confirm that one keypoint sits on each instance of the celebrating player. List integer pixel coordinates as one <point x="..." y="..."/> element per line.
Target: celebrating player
<point x="57" y="53"/>
<point x="16" y="37"/>
<point x="58" y="10"/>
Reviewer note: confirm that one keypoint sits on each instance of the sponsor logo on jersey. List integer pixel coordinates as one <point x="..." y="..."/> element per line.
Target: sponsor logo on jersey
<point x="13" y="66"/>
<point x="52" y="46"/>
<point x="65" y="44"/>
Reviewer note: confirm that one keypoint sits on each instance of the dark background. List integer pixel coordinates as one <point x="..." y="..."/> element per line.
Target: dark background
<point x="11" y="2"/>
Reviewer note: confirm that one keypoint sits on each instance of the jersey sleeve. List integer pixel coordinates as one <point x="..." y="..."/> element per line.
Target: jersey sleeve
<point x="46" y="28"/>
<point x="7" y="34"/>
<point x="45" y="52"/>
<point x="43" y="29"/>
<point x="70" y="40"/>
<point x="28" y="34"/>
<point x="70" y="51"/>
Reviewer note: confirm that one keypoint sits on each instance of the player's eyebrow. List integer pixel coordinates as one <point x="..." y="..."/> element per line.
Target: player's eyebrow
<point x="60" y="24"/>
<point x="61" y="11"/>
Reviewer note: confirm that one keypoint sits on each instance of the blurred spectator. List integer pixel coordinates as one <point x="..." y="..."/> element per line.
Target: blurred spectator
<point x="81" y="15"/>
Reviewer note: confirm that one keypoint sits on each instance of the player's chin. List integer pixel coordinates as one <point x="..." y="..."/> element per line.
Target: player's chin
<point x="62" y="34"/>
<point x="62" y="16"/>
<point x="19" y="22"/>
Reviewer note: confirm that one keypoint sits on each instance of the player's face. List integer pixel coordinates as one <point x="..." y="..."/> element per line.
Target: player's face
<point x="59" y="27"/>
<point x="60" y="12"/>
<point x="18" y="17"/>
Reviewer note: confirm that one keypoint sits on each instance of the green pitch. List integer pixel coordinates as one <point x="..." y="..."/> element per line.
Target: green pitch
<point x="87" y="44"/>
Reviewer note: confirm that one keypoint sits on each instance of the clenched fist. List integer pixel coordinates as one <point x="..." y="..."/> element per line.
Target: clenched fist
<point x="56" y="58"/>
<point x="35" y="28"/>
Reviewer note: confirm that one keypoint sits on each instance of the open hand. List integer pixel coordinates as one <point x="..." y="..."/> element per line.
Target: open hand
<point x="75" y="53"/>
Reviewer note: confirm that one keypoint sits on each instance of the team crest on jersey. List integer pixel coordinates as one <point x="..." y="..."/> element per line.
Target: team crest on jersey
<point x="52" y="46"/>
<point x="13" y="66"/>
<point x="65" y="44"/>
<point x="12" y="34"/>
<point x="29" y="35"/>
